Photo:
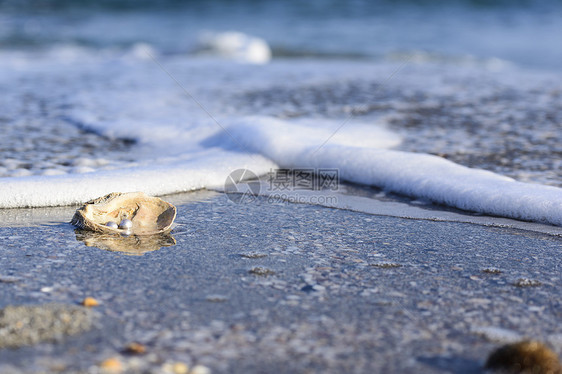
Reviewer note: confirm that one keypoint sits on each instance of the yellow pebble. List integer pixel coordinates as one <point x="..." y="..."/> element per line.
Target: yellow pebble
<point x="180" y="368"/>
<point x="112" y="365"/>
<point x="90" y="302"/>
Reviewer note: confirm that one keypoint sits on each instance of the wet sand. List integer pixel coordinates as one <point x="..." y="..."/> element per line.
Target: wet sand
<point x="258" y="287"/>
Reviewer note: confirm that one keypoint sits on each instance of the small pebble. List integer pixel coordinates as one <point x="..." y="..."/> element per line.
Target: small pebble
<point x="175" y="368"/>
<point x="526" y="282"/>
<point x="253" y="255"/>
<point x="180" y="368"/>
<point x="258" y="270"/>
<point x="135" y="348"/>
<point x="524" y="357"/>
<point x="9" y="279"/>
<point x="90" y="302"/>
<point x="216" y="298"/>
<point x="385" y="265"/>
<point x="491" y="271"/>
<point x="111" y="365"/>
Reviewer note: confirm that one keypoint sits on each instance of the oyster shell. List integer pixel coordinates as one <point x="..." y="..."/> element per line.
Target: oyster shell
<point x="149" y="215"/>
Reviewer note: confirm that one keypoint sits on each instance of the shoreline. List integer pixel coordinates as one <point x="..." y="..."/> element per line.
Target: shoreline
<point x="352" y="197"/>
<point x="372" y="200"/>
<point x="263" y="287"/>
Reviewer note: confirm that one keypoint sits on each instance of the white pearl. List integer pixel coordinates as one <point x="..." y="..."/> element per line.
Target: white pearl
<point x="111" y="224"/>
<point x="126" y="224"/>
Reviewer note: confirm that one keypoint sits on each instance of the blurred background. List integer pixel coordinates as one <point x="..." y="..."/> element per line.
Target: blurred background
<point x="526" y="33"/>
<point x="93" y="85"/>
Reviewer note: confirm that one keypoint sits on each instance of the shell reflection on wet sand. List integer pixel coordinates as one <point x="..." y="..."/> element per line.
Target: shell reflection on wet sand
<point x="131" y="245"/>
<point x="126" y="213"/>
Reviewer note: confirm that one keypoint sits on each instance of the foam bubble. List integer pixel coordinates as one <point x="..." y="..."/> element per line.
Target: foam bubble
<point x="236" y="46"/>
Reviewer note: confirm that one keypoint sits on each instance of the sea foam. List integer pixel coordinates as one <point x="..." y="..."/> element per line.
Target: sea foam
<point x="236" y="46"/>
<point x="360" y="152"/>
<point x="163" y="178"/>
<point x="419" y="175"/>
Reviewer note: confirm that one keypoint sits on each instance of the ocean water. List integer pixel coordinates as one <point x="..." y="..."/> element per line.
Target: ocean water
<point x="459" y="103"/>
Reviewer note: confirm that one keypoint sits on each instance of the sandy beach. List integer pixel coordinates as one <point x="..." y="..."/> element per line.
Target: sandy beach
<point x="361" y="186"/>
<point x="285" y="288"/>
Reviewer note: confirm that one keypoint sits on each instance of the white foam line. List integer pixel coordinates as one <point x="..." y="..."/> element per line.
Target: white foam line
<point x="73" y="189"/>
<point x="412" y="174"/>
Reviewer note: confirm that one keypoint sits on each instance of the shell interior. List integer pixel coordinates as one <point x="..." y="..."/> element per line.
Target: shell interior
<point x="149" y="215"/>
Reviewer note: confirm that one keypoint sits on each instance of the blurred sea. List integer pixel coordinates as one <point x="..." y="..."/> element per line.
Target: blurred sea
<point x="521" y="32"/>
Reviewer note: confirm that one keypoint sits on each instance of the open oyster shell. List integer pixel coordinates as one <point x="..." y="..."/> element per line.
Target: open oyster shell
<point x="149" y="215"/>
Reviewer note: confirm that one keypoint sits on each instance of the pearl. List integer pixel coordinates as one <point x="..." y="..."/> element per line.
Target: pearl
<point x="111" y="224"/>
<point x="126" y="224"/>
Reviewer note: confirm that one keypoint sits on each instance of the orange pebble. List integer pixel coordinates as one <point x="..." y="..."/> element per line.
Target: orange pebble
<point x="90" y="302"/>
<point x="112" y="365"/>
